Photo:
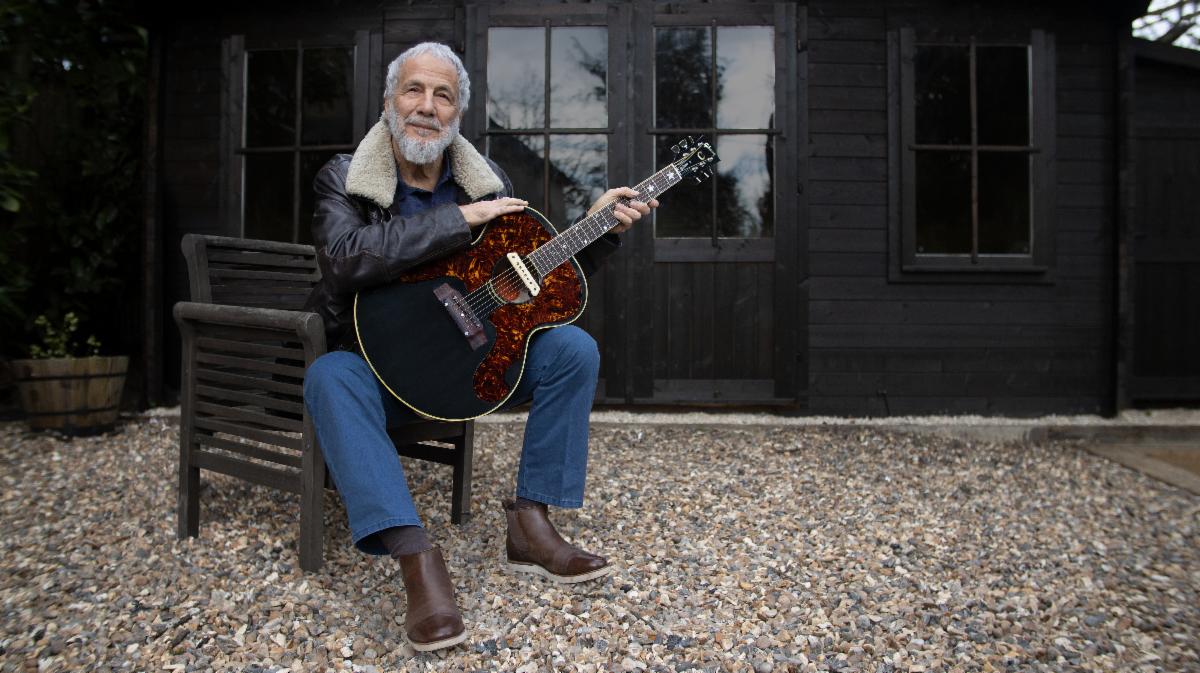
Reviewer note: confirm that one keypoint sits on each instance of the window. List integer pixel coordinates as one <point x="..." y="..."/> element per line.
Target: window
<point x="297" y="109"/>
<point x="976" y="127"/>
<point x="719" y="82"/>
<point x="547" y="114"/>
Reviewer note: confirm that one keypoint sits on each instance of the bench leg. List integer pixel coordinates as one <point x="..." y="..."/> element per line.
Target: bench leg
<point x="460" y="503"/>
<point x="187" y="505"/>
<point x="312" y="507"/>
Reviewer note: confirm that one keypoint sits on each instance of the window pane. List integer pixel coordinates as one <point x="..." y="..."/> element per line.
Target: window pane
<point x="270" y="98"/>
<point x="521" y="158"/>
<point x="267" y="197"/>
<point x="1002" y="76"/>
<point x="942" y="87"/>
<point x="943" y="203"/>
<point x="1003" y="203"/>
<point x="683" y="78"/>
<point x="687" y="208"/>
<point x="579" y="77"/>
<point x="310" y="163"/>
<point x="745" y="77"/>
<point x="578" y="175"/>
<point x="516" y="78"/>
<point x="328" y="94"/>
<point x="745" y="193"/>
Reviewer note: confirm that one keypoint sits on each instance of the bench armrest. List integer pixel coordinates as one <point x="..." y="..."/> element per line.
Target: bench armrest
<point x="307" y="327"/>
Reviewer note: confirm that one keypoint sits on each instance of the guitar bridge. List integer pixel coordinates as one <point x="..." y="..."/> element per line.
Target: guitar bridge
<point x="464" y="318"/>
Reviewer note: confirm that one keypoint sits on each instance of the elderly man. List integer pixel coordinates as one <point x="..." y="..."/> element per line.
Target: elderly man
<point x="414" y="190"/>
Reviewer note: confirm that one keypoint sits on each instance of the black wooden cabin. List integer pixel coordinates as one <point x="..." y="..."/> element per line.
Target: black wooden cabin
<point x="922" y="207"/>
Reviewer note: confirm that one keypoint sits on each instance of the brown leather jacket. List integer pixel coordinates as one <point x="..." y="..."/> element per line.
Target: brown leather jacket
<point x="362" y="241"/>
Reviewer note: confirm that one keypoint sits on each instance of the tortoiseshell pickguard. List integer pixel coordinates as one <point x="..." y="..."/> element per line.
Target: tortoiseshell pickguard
<point x="561" y="297"/>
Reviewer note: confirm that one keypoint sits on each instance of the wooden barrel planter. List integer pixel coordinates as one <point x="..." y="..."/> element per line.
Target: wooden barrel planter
<point x="74" y="396"/>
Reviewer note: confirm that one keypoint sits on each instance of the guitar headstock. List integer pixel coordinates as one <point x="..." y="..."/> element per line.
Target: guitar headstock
<point x="694" y="159"/>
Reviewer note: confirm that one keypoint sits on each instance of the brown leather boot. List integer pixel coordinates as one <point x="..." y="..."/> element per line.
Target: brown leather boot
<point x="533" y="546"/>
<point x="433" y="620"/>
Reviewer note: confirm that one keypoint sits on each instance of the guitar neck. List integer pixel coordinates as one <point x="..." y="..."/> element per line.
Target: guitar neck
<point x="584" y="232"/>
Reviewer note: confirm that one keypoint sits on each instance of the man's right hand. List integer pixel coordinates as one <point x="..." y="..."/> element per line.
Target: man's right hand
<point x="482" y="212"/>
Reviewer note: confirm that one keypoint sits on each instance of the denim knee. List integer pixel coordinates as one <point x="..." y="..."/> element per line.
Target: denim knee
<point x="331" y="371"/>
<point x="576" y="350"/>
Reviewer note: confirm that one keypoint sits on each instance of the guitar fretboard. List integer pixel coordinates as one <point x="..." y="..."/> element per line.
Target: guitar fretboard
<point x="584" y="232"/>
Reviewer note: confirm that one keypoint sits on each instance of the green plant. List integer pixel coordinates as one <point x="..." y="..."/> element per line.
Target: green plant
<point x="60" y="341"/>
<point x="71" y="127"/>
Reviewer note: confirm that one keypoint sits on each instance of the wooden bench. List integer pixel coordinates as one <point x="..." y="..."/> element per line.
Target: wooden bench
<point x="246" y="346"/>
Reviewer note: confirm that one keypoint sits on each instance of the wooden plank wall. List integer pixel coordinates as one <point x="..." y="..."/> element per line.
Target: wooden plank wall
<point x="1164" y="237"/>
<point x="998" y="348"/>
<point x="191" y="185"/>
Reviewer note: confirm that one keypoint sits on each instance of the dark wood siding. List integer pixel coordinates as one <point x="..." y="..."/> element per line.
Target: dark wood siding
<point x="190" y="161"/>
<point x="995" y="347"/>
<point x="866" y="342"/>
<point x="1164" y="242"/>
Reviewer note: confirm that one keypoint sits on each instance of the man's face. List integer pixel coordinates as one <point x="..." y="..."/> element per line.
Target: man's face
<point x="425" y="104"/>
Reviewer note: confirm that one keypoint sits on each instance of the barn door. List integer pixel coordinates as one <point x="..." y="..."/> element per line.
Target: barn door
<point x="715" y="274"/>
<point x="1165" y="267"/>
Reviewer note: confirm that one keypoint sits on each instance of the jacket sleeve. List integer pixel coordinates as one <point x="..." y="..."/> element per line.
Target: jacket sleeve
<point x="592" y="257"/>
<point x="356" y="249"/>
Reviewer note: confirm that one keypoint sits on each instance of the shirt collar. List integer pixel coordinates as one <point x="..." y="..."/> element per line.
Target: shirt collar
<point x="403" y="189"/>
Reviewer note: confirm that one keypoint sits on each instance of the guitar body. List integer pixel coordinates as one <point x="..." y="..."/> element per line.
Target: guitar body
<point x="421" y="355"/>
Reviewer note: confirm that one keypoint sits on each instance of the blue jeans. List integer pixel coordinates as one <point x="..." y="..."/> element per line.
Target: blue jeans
<point x="351" y="412"/>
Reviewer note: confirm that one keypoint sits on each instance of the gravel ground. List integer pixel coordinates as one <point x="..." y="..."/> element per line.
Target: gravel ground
<point x="740" y="548"/>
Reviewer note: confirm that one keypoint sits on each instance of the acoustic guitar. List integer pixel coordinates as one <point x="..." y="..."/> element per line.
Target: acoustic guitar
<point x="449" y="337"/>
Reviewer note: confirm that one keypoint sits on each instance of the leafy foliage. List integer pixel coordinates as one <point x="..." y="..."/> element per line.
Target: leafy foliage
<point x="59" y="341"/>
<point x="71" y="120"/>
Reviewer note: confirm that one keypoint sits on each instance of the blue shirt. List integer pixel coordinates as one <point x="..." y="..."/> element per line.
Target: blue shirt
<point x="412" y="200"/>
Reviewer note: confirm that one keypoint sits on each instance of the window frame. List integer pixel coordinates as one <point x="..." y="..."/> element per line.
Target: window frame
<point x="237" y="49"/>
<point x="724" y="248"/>
<point x="904" y="263"/>
<point x="481" y="18"/>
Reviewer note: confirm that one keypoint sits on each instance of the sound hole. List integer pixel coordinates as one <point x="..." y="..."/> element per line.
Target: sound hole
<point x="506" y="284"/>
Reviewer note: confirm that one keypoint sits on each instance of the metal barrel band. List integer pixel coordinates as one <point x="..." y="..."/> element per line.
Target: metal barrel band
<point x="68" y="377"/>
<point x="83" y="411"/>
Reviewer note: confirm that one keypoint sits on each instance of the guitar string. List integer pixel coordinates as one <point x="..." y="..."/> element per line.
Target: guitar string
<point x="503" y="284"/>
<point x="478" y="300"/>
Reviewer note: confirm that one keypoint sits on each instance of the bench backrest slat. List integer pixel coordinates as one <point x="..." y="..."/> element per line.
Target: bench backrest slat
<point x="250" y="272"/>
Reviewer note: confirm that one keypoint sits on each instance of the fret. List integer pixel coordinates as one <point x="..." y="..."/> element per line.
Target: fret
<point x="583" y="233"/>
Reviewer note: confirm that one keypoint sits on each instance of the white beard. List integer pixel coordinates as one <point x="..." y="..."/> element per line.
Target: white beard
<point x="421" y="151"/>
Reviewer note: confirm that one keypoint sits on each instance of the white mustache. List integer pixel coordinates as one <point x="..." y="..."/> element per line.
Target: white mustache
<point x="422" y="121"/>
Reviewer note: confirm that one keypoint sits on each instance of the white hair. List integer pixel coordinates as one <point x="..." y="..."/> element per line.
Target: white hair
<point x="438" y="50"/>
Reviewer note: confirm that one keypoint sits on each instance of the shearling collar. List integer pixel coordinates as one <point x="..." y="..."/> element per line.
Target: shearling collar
<point x="372" y="174"/>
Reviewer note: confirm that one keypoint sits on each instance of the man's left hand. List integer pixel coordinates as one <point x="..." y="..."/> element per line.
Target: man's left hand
<point x="626" y="214"/>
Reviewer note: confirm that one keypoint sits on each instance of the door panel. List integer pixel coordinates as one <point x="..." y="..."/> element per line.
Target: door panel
<point x="692" y="313"/>
<point x="1166" y="268"/>
<point x="714" y="253"/>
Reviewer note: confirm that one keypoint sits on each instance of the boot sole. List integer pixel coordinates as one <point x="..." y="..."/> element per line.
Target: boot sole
<point x="535" y="569"/>
<point x="438" y="644"/>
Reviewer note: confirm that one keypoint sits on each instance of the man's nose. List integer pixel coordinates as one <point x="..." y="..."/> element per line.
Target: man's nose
<point x="426" y="106"/>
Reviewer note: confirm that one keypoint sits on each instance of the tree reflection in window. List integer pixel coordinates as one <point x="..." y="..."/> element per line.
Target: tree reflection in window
<point x="718" y="81"/>
<point x="547" y="115"/>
